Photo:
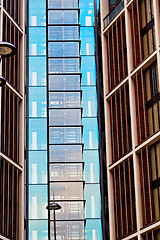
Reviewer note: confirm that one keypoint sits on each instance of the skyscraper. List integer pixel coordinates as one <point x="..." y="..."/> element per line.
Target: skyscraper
<point x="62" y="129"/>
<point x="130" y="49"/>
<point x="12" y="30"/>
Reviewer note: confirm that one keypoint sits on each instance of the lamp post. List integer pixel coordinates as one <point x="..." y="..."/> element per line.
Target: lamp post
<point x="6" y="50"/>
<point x="54" y="206"/>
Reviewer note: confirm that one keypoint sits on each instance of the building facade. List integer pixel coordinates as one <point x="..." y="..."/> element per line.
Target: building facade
<point x="62" y="149"/>
<point x="12" y="27"/>
<point x="131" y="77"/>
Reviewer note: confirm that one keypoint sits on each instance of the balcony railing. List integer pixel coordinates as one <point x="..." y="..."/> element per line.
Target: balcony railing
<point x="111" y="15"/>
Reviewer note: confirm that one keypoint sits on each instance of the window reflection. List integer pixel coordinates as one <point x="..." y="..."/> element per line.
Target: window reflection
<point x="64" y="100"/>
<point x="65" y="153"/>
<point x="62" y="4"/>
<point x="64" y="65"/>
<point x="64" y="82"/>
<point x="63" y="17"/>
<point x="63" y="49"/>
<point x="63" y="32"/>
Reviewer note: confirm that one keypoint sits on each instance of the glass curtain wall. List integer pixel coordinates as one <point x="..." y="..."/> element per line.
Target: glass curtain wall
<point x="66" y="185"/>
<point x="93" y="228"/>
<point x="37" y="183"/>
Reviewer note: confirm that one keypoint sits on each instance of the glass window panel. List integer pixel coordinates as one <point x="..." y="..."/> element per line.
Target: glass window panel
<point x="68" y="230"/>
<point x="37" y="41"/>
<point x="63" y="17"/>
<point x="62" y="4"/>
<point x="65" y="117"/>
<point x="90" y="133"/>
<point x="38" y="200"/>
<point x="66" y="191"/>
<point x="63" y="32"/>
<point x="88" y="68"/>
<point x="37" y="102"/>
<point x="65" y="135"/>
<point x="37" y="71"/>
<point x="70" y="210"/>
<point x="37" y="134"/>
<point x="64" y="100"/>
<point x="64" y="153"/>
<point x="64" y="82"/>
<point x="66" y="172"/>
<point x="91" y="166"/>
<point x="93" y="228"/>
<point x="63" y="49"/>
<point x="87" y="41"/>
<point x="93" y="201"/>
<point x="37" y="167"/>
<point x="89" y="101"/>
<point x="38" y="229"/>
<point x="65" y="65"/>
<point x="37" y="15"/>
<point x="87" y="12"/>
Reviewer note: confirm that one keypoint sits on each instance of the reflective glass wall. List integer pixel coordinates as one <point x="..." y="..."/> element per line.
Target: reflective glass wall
<point x="92" y="195"/>
<point x="37" y="183"/>
<point x="66" y="185"/>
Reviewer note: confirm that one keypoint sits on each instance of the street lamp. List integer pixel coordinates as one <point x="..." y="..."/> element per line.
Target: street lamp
<point x="54" y="206"/>
<point x="7" y="49"/>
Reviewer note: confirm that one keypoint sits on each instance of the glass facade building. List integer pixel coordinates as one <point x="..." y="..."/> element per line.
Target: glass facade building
<point x="62" y="146"/>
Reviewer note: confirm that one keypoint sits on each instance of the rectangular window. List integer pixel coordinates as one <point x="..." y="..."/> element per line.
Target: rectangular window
<point x="63" y="49"/>
<point x="63" y="17"/>
<point x="63" y="33"/>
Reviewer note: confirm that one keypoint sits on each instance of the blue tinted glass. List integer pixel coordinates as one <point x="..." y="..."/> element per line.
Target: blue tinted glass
<point x="89" y="101"/>
<point x="62" y="4"/>
<point x="37" y="71"/>
<point x="87" y="12"/>
<point x="63" y="49"/>
<point x="90" y="133"/>
<point x="91" y="166"/>
<point x="37" y="134"/>
<point x="37" y="167"/>
<point x="93" y="201"/>
<point x="38" y="201"/>
<point x="93" y="229"/>
<point x="38" y="229"/>
<point x="63" y="17"/>
<point x="87" y="41"/>
<point x="37" y="15"/>
<point x="37" y="102"/>
<point x="88" y="68"/>
<point x="37" y="41"/>
<point x="63" y="32"/>
<point x="65" y="65"/>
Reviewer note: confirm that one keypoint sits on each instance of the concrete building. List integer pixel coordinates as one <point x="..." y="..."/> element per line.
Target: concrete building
<point x="12" y="27"/>
<point x="131" y="77"/>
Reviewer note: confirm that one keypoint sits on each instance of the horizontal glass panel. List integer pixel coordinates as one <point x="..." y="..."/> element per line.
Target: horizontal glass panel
<point x="63" y="32"/>
<point x="37" y="167"/>
<point x="62" y="4"/>
<point x="66" y="191"/>
<point x="66" y="172"/>
<point x="38" y="200"/>
<point x="63" y="17"/>
<point x="88" y="68"/>
<point x="91" y="166"/>
<point x="37" y="41"/>
<point x="64" y="82"/>
<point x="93" y="225"/>
<point x="63" y="49"/>
<point x="87" y="12"/>
<point x="65" y="153"/>
<point x="65" y="135"/>
<point x="64" y="65"/>
<point x="69" y="210"/>
<point x="37" y="15"/>
<point x="65" y="117"/>
<point x="89" y="101"/>
<point x="38" y="134"/>
<point x="87" y="41"/>
<point x="64" y="100"/>
<point x="38" y="229"/>
<point x="37" y="71"/>
<point x="37" y="102"/>
<point x="90" y="133"/>
<point x="68" y="230"/>
<point x="93" y="201"/>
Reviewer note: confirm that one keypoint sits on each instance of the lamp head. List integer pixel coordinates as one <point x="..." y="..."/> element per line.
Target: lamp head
<point x="7" y="49"/>
<point x="53" y="206"/>
<point x="2" y="81"/>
